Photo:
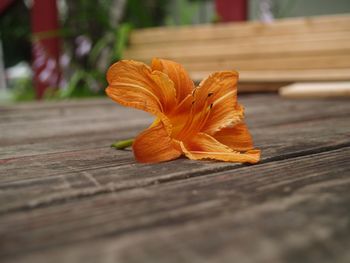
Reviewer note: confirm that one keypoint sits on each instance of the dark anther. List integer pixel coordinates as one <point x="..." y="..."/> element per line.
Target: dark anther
<point x="193" y="102"/>
<point x="210" y="93"/>
<point x="211" y="105"/>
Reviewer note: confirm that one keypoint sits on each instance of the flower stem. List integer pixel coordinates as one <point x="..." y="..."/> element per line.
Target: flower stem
<point x="120" y="145"/>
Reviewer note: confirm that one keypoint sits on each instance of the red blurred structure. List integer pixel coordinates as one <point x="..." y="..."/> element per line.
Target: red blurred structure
<point x="4" y="4"/>
<point x="231" y="10"/>
<point x="46" y="45"/>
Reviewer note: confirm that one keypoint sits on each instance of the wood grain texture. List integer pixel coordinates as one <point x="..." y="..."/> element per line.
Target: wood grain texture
<point x="292" y="26"/>
<point x="287" y="50"/>
<point x="282" y="76"/>
<point x="271" y="63"/>
<point x="258" y="209"/>
<point x="113" y="124"/>
<point x="256" y="39"/>
<point x="241" y="50"/>
<point x="67" y="196"/>
<point x="69" y="166"/>
<point x="316" y="90"/>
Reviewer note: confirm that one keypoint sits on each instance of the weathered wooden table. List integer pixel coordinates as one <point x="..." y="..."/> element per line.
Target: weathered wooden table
<point x="66" y="196"/>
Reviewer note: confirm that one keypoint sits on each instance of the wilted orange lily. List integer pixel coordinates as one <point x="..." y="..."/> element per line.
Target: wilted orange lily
<point x="202" y="123"/>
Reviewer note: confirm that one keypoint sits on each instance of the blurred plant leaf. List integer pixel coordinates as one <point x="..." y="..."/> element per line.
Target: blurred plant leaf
<point x="23" y="90"/>
<point x="122" y="38"/>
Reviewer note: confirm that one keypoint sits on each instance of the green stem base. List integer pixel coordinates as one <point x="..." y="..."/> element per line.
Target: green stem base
<point x="120" y="145"/>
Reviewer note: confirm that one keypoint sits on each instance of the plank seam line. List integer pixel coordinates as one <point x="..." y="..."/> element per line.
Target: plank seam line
<point x="306" y="152"/>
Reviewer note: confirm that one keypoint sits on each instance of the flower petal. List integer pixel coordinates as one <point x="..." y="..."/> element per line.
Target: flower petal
<point x="237" y="137"/>
<point x="175" y="71"/>
<point x="155" y="145"/>
<point x="219" y="92"/>
<point x="134" y="84"/>
<point x="204" y="146"/>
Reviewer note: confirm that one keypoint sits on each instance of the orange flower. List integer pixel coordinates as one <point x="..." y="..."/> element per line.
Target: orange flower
<point x="202" y="123"/>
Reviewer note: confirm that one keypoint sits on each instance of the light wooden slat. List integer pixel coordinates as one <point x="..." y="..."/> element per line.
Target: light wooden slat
<point x="316" y="90"/>
<point x="250" y="87"/>
<point x="285" y="51"/>
<point x="222" y="31"/>
<point x="297" y="75"/>
<point x="224" y="51"/>
<point x="272" y="63"/>
<point x="285" y="75"/>
<point x="317" y="38"/>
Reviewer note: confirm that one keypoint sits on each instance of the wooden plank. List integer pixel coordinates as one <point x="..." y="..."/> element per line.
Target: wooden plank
<point x="25" y="168"/>
<point x="240" y="50"/>
<point x="78" y="196"/>
<point x="286" y="51"/>
<point x="50" y="104"/>
<point x="23" y="178"/>
<point x="293" y="26"/>
<point x="51" y="130"/>
<point x="79" y="138"/>
<point x="316" y="90"/>
<point x="29" y="111"/>
<point x="255" y="212"/>
<point x="296" y="75"/>
<point x="112" y="122"/>
<point x="275" y="76"/>
<point x="30" y="124"/>
<point x="248" y="87"/>
<point x="254" y="39"/>
<point x="72" y="142"/>
<point x="273" y="63"/>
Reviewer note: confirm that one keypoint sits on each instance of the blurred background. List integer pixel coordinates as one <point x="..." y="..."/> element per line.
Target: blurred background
<point x="58" y="49"/>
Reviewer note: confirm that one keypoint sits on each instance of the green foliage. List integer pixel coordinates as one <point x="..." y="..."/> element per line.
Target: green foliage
<point x="284" y="10"/>
<point x="109" y="35"/>
<point x="78" y="85"/>
<point x="185" y="9"/>
<point x="146" y="13"/>
<point x="15" y="33"/>
<point x="122" y="38"/>
<point x="23" y="90"/>
<point x="108" y="42"/>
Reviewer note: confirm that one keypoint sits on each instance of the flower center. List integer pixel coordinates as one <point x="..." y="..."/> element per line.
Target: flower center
<point x="193" y="119"/>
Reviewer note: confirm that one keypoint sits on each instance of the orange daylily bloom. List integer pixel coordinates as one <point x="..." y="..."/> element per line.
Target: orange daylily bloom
<point x="203" y="122"/>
